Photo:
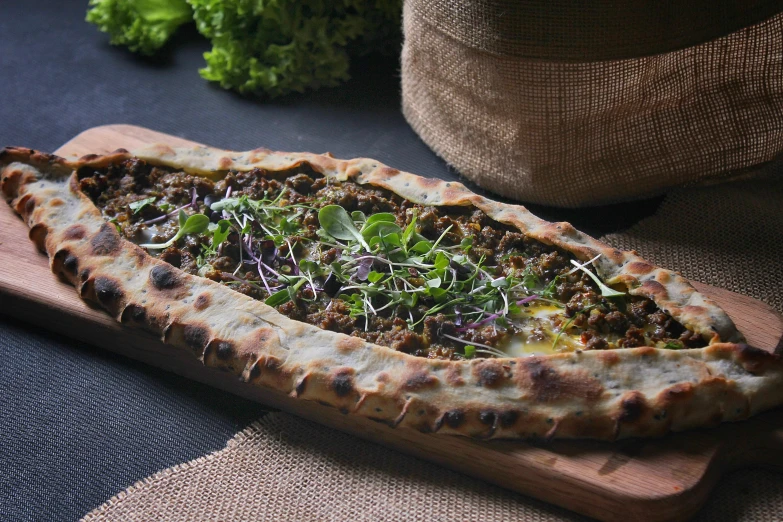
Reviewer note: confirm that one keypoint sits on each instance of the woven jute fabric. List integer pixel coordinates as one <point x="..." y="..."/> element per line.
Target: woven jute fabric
<point x="569" y="129"/>
<point x="286" y="469"/>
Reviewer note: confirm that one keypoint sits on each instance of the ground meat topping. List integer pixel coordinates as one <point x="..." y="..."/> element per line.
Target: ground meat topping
<point x="293" y="263"/>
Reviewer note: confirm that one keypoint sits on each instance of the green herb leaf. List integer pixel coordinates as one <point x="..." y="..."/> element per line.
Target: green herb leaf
<point x="224" y="204"/>
<point x="470" y="351"/>
<point x="409" y="230"/>
<point x="195" y="224"/>
<point x="374" y="276"/>
<point x="136" y="206"/>
<point x="309" y="266"/>
<point x="288" y="227"/>
<point x="220" y="233"/>
<point x="380" y="229"/>
<point x="439" y="294"/>
<point x="422" y="247"/>
<point x="441" y="261"/>
<point x="337" y="223"/>
<point x="435" y="282"/>
<point x="337" y="269"/>
<point x="116" y="224"/>
<point x="389" y="241"/>
<point x="530" y="280"/>
<point x="278" y="298"/>
<point x="381" y="217"/>
<point x="409" y="300"/>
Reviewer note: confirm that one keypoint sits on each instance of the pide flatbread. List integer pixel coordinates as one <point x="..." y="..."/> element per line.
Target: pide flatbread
<point x="411" y="301"/>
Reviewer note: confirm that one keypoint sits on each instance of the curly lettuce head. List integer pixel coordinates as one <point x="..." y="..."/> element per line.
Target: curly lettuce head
<point x="143" y="26"/>
<point x="270" y="47"/>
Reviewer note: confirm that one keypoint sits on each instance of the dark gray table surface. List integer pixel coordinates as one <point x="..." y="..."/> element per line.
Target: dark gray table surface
<point x="79" y="425"/>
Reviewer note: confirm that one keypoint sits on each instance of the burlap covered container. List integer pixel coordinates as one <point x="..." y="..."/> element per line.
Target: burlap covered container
<point x="582" y="103"/>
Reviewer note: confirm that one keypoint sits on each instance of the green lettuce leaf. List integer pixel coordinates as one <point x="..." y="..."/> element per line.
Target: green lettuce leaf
<point x="143" y="26"/>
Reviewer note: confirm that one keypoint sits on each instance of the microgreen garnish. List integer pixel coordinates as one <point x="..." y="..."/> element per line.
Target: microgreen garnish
<point x="379" y="266"/>
<point x="195" y="224"/>
<point x="116" y="224"/>
<point x="336" y="222"/>
<point x="278" y="298"/>
<point x="220" y="233"/>
<point x="605" y="290"/>
<point x="136" y="206"/>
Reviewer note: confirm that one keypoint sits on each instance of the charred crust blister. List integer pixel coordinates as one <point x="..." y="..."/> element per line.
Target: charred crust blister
<point x="29" y="205"/>
<point x="342" y="382"/>
<point x="753" y="359"/>
<point x="225" y="350"/>
<point x="108" y="291"/>
<point x="489" y="373"/>
<point x="71" y="263"/>
<point x="488" y="417"/>
<point x="202" y="301"/>
<point x="74" y="232"/>
<point x="133" y="312"/>
<point x="419" y="379"/>
<point x="106" y="241"/>
<point x="38" y="234"/>
<point x="65" y="262"/>
<point x="632" y="407"/>
<point x="163" y="277"/>
<point x="196" y="336"/>
<point x="454" y="418"/>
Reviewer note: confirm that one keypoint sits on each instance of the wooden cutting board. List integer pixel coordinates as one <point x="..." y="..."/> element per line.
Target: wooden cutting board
<point x="663" y="479"/>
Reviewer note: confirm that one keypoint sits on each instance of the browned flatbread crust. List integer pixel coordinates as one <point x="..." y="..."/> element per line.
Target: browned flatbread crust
<point x="589" y="394"/>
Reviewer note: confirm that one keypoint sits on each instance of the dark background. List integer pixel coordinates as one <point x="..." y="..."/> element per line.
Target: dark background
<point x="79" y="425"/>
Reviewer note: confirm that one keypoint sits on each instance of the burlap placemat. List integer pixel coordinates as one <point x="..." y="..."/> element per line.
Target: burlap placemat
<point x="284" y="468"/>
